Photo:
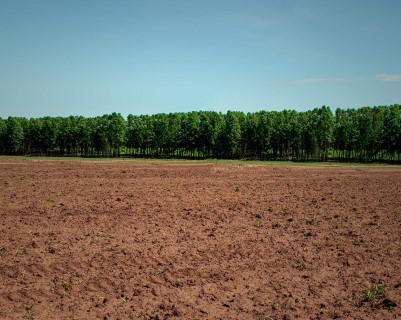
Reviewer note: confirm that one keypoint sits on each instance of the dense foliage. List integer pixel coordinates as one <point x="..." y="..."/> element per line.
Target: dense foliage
<point x="366" y="134"/>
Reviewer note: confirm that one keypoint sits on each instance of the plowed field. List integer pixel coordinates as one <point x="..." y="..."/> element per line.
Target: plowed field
<point x="164" y="240"/>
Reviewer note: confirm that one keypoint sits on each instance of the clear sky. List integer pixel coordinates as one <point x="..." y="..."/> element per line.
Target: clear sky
<point x="78" y="57"/>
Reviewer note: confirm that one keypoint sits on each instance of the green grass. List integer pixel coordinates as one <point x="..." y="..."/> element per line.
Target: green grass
<point x="29" y="310"/>
<point x="171" y="160"/>
<point x="373" y="292"/>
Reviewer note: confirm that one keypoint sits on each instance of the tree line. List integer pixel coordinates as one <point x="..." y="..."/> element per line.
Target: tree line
<point x="365" y="134"/>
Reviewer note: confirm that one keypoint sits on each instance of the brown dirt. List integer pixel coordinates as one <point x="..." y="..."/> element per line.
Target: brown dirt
<point x="153" y="240"/>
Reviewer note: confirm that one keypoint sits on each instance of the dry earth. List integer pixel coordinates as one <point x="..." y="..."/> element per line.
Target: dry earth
<point x="159" y="240"/>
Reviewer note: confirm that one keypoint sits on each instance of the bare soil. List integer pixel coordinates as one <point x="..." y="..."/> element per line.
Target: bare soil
<point x="159" y="240"/>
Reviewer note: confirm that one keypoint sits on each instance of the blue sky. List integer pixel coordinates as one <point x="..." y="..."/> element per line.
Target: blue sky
<point x="61" y="58"/>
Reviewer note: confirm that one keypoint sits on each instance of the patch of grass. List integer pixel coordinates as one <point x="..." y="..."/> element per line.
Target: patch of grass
<point x="273" y="304"/>
<point x="256" y="224"/>
<point x="67" y="285"/>
<point x="257" y="215"/>
<point x="276" y="224"/>
<point x="342" y="224"/>
<point x="29" y="310"/>
<point x="172" y="160"/>
<point x="207" y="206"/>
<point x="373" y="292"/>
<point x="321" y="311"/>
<point x="160" y="270"/>
<point x="318" y="245"/>
<point x="326" y="214"/>
<point x="105" y="248"/>
<point x="300" y="266"/>
<point x="21" y="250"/>
<point x="177" y="283"/>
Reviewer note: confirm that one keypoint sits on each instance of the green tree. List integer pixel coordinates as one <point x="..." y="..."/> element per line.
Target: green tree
<point x="14" y="136"/>
<point x="230" y="136"/>
<point x="324" y="130"/>
<point x="341" y="134"/>
<point x="391" y="131"/>
<point x="160" y="129"/>
<point x="115" y="133"/>
<point x="48" y="134"/>
<point x="3" y="129"/>
<point x="190" y="132"/>
<point x="100" y="137"/>
<point x="172" y="133"/>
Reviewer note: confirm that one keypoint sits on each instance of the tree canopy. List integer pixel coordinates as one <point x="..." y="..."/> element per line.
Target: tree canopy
<point x="365" y="134"/>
